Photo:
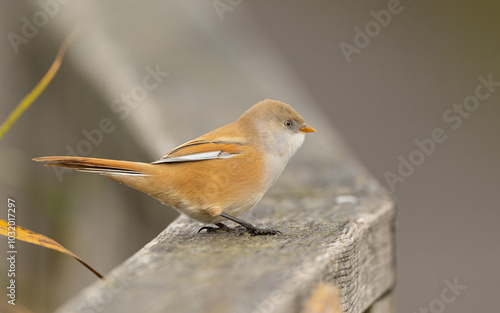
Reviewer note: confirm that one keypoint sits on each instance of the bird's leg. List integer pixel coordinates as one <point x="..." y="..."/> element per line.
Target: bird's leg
<point x="254" y="231"/>
<point x="220" y="227"/>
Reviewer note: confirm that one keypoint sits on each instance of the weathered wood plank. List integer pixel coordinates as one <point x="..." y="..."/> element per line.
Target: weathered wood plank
<point x="337" y="227"/>
<point x="386" y="304"/>
<point x="325" y="298"/>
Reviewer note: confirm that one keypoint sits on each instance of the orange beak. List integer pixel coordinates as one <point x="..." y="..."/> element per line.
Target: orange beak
<point x="307" y="129"/>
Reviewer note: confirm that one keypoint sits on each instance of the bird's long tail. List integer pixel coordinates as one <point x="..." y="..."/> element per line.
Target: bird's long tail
<point x="132" y="174"/>
<point x="101" y="166"/>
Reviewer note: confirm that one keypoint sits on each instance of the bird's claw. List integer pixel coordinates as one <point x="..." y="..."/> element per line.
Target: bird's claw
<point x="262" y="231"/>
<point x="209" y="229"/>
<point x="254" y="231"/>
<point x="221" y="228"/>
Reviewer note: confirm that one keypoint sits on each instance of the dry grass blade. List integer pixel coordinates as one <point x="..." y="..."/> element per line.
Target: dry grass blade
<point x="41" y="240"/>
<point x="40" y="87"/>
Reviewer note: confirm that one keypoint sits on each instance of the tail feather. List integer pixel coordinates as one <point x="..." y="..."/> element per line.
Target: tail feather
<point x="140" y="176"/>
<point x="94" y="165"/>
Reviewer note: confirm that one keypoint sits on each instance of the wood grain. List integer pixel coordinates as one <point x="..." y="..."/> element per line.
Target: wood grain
<point x="337" y="228"/>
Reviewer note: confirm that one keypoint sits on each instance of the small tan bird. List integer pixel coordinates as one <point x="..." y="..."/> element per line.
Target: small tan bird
<point x="217" y="176"/>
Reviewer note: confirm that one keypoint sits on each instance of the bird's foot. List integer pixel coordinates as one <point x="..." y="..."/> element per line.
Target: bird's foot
<point x="252" y="230"/>
<point x="221" y="228"/>
<point x="255" y="231"/>
<point x="249" y="228"/>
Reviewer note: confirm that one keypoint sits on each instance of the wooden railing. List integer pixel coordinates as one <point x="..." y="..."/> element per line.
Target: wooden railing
<point x="337" y="247"/>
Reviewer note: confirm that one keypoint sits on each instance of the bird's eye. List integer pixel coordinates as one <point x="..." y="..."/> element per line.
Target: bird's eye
<point x="287" y="123"/>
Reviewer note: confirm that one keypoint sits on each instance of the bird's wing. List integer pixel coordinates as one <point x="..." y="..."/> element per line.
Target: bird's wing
<point x="199" y="149"/>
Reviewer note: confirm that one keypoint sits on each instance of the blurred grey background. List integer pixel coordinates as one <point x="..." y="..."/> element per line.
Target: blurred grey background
<point x="223" y="56"/>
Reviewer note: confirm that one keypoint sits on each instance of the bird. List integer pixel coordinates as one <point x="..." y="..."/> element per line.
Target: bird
<point x="217" y="176"/>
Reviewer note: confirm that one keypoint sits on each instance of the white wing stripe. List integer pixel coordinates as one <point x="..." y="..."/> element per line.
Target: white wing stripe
<point x="197" y="157"/>
<point x="114" y="172"/>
